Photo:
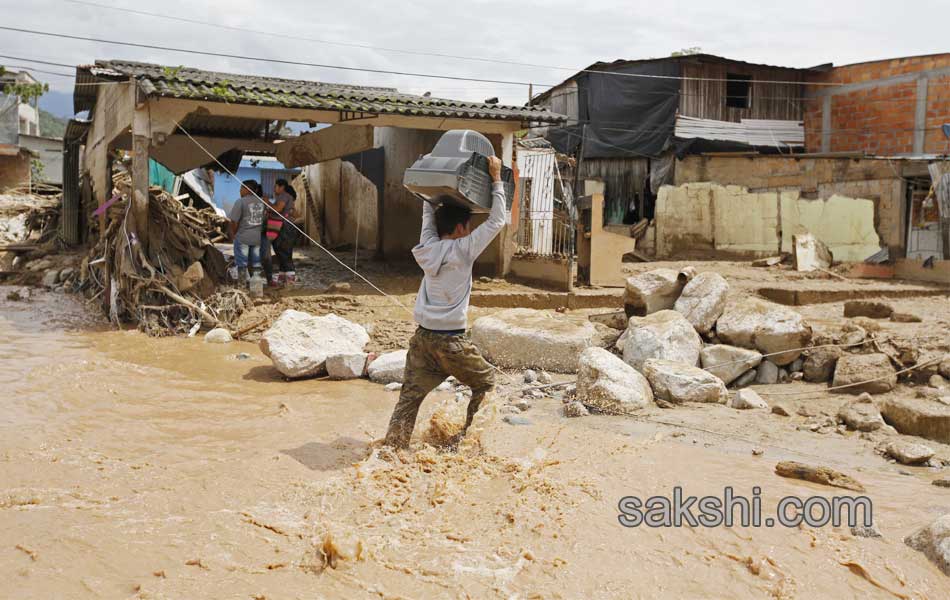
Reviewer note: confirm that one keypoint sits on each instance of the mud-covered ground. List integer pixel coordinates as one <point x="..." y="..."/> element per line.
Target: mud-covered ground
<point x="168" y="468"/>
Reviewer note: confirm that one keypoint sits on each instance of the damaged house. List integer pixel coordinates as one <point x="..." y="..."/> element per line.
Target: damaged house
<point x="186" y="118"/>
<point x="733" y="159"/>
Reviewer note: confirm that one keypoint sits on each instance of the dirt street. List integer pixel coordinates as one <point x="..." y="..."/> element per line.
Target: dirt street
<point x="169" y="468"/>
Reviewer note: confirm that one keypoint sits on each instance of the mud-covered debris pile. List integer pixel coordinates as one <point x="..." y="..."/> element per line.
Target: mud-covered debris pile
<point x="156" y="265"/>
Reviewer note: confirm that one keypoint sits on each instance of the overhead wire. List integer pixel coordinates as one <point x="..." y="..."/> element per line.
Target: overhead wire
<point x="404" y="73"/>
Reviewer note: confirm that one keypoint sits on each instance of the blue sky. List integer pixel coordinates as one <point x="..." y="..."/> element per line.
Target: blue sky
<point x="553" y="33"/>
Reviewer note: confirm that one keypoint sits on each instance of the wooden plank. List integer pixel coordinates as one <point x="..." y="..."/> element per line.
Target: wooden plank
<point x="332" y="142"/>
<point x="18" y="247"/>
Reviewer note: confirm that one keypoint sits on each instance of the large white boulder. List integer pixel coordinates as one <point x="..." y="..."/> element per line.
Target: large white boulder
<point x="350" y="365"/>
<point x="610" y="385"/>
<point x="665" y="334"/>
<point x="299" y="343"/>
<point x="678" y="383"/>
<point x="703" y="300"/>
<point x="934" y="541"/>
<point x="766" y="327"/>
<point x="653" y="291"/>
<point x="520" y="338"/>
<point x="388" y="368"/>
<point x="728" y="362"/>
<point x="218" y="335"/>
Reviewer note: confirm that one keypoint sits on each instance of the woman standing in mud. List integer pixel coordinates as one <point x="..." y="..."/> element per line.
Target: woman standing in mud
<point x="281" y="232"/>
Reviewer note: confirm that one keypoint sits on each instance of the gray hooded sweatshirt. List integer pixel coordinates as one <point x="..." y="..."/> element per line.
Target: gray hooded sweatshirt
<point x="442" y="303"/>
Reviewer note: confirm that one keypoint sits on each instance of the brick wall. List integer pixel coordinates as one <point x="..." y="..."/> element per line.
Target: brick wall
<point x="875" y="108"/>
<point x="14" y="171"/>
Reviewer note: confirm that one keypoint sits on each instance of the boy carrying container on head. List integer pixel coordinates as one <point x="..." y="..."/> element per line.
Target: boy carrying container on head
<point x="446" y="251"/>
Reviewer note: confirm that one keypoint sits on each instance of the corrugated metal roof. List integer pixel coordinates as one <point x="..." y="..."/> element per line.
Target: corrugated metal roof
<point x="754" y="132"/>
<point x="196" y="84"/>
<point x="76" y="129"/>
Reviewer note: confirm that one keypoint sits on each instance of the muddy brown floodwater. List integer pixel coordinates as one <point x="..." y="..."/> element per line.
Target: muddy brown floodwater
<point x="133" y="467"/>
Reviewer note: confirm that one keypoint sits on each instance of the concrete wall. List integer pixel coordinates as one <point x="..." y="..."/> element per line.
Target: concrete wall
<point x="547" y="271"/>
<point x="702" y="218"/>
<point x="885" y="107"/>
<point x="343" y="209"/>
<point x="872" y="179"/>
<point x="845" y="225"/>
<point x="50" y="153"/>
<point x="730" y="221"/>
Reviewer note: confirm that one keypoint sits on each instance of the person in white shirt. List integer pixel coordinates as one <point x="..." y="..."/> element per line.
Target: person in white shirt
<point x="447" y="249"/>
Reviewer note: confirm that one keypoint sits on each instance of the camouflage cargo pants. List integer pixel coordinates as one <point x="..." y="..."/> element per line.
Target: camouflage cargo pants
<point x="433" y="357"/>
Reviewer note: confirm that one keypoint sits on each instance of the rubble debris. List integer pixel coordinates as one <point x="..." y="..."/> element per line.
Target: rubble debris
<point x="653" y="291"/>
<point x="347" y="365"/>
<point x="575" y="409"/>
<point x="766" y="327"/>
<point x="767" y="373"/>
<point x="747" y="399"/>
<point x="810" y="254"/>
<point x="781" y="410"/>
<point x="728" y="362"/>
<point x="909" y="453"/>
<point x="614" y="320"/>
<point x="819" y="474"/>
<point x="50" y="278"/>
<point x="867" y="308"/>
<point x="610" y="385"/>
<point x="519" y="338"/>
<point x="530" y="376"/>
<point x="665" y="334"/>
<point x="944" y="483"/>
<point x="819" y="365"/>
<point x="867" y="324"/>
<point x="516" y="420"/>
<point x="914" y="416"/>
<point x="544" y="377"/>
<point x="299" y="343"/>
<point x="388" y="367"/>
<point x="937" y="381"/>
<point x="902" y="317"/>
<point x="866" y="531"/>
<point x="871" y="373"/>
<point x="745" y="379"/>
<point x="945" y="367"/>
<point x="678" y="383"/>
<point x="702" y="300"/>
<point x="770" y="261"/>
<point x="861" y="414"/>
<point x="934" y="541"/>
<point x="218" y="335"/>
<point x="393" y="387"/>
<point x="136" y="268"/>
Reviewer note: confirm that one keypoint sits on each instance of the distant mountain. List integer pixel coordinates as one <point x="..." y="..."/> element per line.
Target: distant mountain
<point x="51" y="125"/>
<point x="59" y="104"/>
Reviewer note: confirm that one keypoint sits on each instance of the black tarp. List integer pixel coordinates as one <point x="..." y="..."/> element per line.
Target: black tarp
<point x="625" y="116"/>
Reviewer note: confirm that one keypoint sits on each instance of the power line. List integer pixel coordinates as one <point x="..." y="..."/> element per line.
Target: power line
<point x="410" y="74"/>
<point x="287" y="36"/>
<point x="257" y="58"/>
<point x="35" y="70"/>
<point x="676" y="93"/>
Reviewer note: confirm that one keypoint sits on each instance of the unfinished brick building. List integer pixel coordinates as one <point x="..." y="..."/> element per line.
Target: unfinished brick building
<point x="884" y="108"/>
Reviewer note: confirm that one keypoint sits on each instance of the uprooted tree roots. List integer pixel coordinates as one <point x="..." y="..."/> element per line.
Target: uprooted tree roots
<point x="156" y="265"/>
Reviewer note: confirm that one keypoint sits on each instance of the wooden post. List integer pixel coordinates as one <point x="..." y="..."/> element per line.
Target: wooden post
<point x="140" y="147"/>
